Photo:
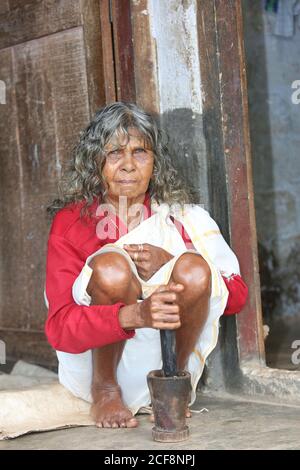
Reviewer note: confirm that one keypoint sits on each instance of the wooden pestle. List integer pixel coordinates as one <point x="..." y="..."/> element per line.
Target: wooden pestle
<point x="168" y="350"/>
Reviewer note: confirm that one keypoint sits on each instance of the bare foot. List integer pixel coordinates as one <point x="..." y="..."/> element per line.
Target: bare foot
<point x="109" y="411"/>
<point x="188" y="414"/>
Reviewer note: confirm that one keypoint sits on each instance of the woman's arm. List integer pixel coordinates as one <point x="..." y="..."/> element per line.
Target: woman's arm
<point x="70" y="327"/>
<point x="237" y="294"/>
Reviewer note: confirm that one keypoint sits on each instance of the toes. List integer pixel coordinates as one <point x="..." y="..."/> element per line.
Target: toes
<point x="131" y="423"/>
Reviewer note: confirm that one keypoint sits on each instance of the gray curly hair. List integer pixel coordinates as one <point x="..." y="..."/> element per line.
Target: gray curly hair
<point x="82" y="180"/>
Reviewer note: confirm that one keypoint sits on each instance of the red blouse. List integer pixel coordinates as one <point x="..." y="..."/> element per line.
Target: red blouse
<point x="76" y="328"/>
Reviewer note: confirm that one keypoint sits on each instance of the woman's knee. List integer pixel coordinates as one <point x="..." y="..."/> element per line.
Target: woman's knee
<point x="110" y="271"/>
<point x="193" y="272"/>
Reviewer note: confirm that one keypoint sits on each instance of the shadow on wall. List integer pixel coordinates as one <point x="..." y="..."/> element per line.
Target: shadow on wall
<point x="187" y="149"/>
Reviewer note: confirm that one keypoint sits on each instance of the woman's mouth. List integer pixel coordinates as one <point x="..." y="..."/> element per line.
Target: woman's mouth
<point x="125" y="182"/>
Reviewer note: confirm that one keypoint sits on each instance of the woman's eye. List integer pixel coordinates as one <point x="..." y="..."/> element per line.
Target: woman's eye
<point x="141" y="150"/>
<point x="114" y="154"/>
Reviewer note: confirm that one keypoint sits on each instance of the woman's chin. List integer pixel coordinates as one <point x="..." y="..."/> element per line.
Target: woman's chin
<point x="129" y="191"/>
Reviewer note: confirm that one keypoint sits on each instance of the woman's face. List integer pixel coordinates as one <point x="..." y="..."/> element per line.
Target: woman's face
<point x="128" y="166"/>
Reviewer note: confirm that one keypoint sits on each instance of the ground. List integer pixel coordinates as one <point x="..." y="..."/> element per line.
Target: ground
<point x="231" y="422"/>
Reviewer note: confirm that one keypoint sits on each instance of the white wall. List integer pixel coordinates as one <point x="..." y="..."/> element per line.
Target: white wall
<point x="173" y="26"/>
<point x="174" y="31"/>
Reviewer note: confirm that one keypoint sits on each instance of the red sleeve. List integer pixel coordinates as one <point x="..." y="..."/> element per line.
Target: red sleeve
<point x="70" y="327"/>
<point x="238" y="293"/>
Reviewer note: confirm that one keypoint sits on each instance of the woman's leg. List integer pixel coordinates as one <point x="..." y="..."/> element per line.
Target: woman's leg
<point x="112" y="281"/>
<point x="194" y="273"/>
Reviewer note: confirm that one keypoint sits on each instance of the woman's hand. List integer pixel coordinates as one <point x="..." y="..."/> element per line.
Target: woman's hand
<point x="147" y="258"/>
<point x="160" y="310"/>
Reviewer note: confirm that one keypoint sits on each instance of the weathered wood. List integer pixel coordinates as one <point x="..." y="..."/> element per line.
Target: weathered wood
<point x="227" y="134"/>
<point x="31" y="19"/>
<point x="212" y="114"/>
<point x="90" y="11"/>
<point x="123" y="50"/>
<point x="50" y="109"/>
<point x="4" y="6"/>
<point x="54" y="83"/>
<point x="251" y="339"/>
<point x="107" y="51"/>
<point x="144" y="58"/>
<point x="29" y="346"/>
<point x="11" y="197"/>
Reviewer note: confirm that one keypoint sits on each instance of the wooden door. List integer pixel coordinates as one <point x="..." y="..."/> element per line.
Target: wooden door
<point x="51" y="62"/>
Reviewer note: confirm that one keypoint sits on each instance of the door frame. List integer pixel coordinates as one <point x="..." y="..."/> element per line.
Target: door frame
<point x="225" y="109"/>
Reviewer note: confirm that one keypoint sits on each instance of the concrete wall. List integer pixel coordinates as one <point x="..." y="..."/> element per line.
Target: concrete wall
<point x="273" y="64"/>
<point x="174" y="31"/>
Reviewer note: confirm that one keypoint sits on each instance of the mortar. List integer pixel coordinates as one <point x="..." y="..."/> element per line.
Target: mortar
<point x="170" y="392"/>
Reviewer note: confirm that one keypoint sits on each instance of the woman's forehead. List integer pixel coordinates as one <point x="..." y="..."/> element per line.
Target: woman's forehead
<point x="121" y="138"/>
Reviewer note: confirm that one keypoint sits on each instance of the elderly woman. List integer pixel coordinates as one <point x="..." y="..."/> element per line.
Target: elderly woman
<point x="128" y="255"/>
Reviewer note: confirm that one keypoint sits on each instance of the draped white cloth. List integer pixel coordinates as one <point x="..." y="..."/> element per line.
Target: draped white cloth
<point x="142" y="353"/>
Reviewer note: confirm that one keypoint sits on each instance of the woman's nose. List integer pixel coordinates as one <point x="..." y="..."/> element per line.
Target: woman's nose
<point x="128" y="162"/>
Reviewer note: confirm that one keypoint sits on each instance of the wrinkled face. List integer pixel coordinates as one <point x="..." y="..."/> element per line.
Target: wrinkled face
<point x="128" y="166"/>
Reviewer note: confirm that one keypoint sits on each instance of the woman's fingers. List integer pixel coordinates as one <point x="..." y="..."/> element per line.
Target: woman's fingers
<point x="140" y="248"/>
<point x="161" y="310"/>
<point x="137" y="246"/>
<point x="173" y="286"/>
<point x="139" y="253"/>
<point x="165" y="308"/>
<point x="147" y="258"/>
<point x="165" y="317"/>
<point x="171" y="289"/>
<point x="139" y="256"/>
<point x="164" y="296"/>
<point x="166" y="325"/>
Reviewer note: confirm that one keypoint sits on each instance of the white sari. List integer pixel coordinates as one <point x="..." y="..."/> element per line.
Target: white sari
<point x="142" y="353"/>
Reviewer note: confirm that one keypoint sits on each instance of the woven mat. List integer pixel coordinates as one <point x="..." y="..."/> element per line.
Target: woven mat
<point x="32" y="400"/>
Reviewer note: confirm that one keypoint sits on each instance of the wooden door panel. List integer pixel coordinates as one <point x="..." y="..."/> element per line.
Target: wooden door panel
<point x="52" y="102"/>
<point x="4" y="8"/>
<point x="10" y="188"/>
<point x="31" y="19"/>
<point x="51" y="63"/>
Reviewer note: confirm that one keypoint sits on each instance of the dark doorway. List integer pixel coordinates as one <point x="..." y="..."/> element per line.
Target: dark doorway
<point x="272" y="39"/>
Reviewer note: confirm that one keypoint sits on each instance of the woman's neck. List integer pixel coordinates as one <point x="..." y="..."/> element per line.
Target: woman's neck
<point x="129" y="210"/>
